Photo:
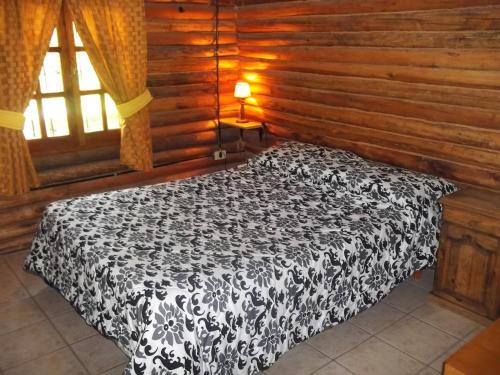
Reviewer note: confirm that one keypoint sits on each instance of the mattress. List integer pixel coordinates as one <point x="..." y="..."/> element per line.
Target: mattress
<point x="222" y="274"/>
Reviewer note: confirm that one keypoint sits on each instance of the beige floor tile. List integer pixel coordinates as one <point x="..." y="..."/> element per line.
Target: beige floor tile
<point x="375" y="357"/>
<point x="28" y="343"/>
<point x="418" y="339"/>
<point x="446" y="320"/>
<point x="19" y="314"/>
<point x="406" y="297"/>
<point x="11" y="289"/>
<point x="33" y="283"/>
<point x="61" y="362"/>
<point x="116" y="370"/>
<point x="73" y="327"/>
<point x="99" y="354"/>
<point x="301" y="360"/>
<point x="425" y="282"/>
<point x="338" y="340"/>
<point x="438" y="363"/>
<point x="377" y="317"/>
<point x="429" y="371"/>
<point x="52" y="303"/>
<point x="333" y="368"/>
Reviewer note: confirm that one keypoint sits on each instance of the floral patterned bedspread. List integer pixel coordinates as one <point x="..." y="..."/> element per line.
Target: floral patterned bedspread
<point x="224" y="273"/>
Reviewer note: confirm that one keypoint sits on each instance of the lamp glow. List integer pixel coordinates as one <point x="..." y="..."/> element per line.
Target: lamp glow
<point x="242" y="91"/>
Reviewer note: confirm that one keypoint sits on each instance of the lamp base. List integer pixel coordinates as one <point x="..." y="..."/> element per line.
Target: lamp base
<point x="241" y="118"/>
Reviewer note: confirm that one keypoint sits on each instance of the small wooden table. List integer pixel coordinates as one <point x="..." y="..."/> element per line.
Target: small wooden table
<point x="481" y="356"/>
<point x="231" y="121"/>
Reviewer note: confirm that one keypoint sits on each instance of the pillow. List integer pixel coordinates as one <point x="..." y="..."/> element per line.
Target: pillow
<point x="346" y="171"/>
<point x="302" y="160"/>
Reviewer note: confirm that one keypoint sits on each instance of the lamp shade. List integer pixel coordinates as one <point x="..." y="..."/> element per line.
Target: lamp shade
<point x="242" y="90"/>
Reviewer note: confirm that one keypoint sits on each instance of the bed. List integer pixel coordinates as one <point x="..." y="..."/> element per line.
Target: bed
<point x="223" y="273"/>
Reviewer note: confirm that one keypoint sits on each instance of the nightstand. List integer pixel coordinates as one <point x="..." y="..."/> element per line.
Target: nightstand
<point x="468" y="266"/>
<point x="244" y="125"/>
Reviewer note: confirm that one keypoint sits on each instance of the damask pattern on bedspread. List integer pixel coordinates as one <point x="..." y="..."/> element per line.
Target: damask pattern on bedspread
<point x="222" y="274"/>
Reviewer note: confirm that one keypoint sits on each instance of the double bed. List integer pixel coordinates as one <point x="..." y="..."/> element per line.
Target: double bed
<point x="223" y="273"/>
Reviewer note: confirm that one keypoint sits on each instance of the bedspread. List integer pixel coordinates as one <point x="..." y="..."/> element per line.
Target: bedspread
<point x="222" y="274"/>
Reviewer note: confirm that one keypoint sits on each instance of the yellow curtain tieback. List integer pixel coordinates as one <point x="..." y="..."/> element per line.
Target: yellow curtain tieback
<point x="133" y="106"/>
<point x="11" y="120"/>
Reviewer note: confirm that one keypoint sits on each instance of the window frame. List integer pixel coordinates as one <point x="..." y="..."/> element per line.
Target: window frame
<point x="77" y="140"/>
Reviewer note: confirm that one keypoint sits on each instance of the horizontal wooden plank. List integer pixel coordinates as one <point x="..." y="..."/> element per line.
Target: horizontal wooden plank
<point x="454" y="19"/>
<point x="399" y="39"/>
<point x="170" y="25"/>
<point x="451" y="77"/>
<point x="189" y="51"/>
<point x="475" y="117"/>
<point x="476" y="59"/>
<point x="461" y="96"/>
<point x="191" y="65"/>
<point x="185" y="78"/>
<point x="193" y="89"/>
<point x="186" y="11"/>
<point x="300" y="8"/>
<point x="189" y="38"/>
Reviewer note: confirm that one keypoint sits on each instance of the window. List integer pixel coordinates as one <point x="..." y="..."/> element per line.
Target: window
<point x="69" y="110"/>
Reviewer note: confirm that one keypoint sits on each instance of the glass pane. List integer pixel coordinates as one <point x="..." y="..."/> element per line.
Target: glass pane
<point x="51" y="75"/>
<point x="56" y="118"/>
<point x="87" y="78"/>
<point x="111" y="113"/>
<point x="54" y="40"/>
<point x="92" y="113"/>
<point x="78" y="41"/>
<point x="32" y="122"/>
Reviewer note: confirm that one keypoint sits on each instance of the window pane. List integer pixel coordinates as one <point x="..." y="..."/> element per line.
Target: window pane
<point x="51" y="75"/>
<point x="78" y="41"/>
<point x="87" y="78"/>
<point x="92" y="113"/>
<point x="32" y="122"/>
<point x="56" y="118"/>
<point x="111" y="113"/>
<point x="54" y="40"/>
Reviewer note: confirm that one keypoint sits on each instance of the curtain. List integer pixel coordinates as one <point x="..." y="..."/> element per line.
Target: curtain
<point x="25" y="30"/>
<point x="114" y="36"/>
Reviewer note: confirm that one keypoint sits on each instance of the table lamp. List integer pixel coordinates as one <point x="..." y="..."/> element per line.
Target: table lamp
<point x="242" y="91"/>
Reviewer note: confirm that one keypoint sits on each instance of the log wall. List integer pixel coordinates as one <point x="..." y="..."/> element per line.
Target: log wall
<point x="411" y="83"/>
<point x="182" y="77"/>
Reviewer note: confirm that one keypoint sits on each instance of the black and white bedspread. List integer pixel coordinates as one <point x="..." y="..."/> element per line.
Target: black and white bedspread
<point x="222" y="274"/>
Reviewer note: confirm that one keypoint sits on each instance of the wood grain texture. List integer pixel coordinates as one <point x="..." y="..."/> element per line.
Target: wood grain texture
<point x="479" y="356"/>
<point x="468" y="268"/>
<point x="415" y="84"/>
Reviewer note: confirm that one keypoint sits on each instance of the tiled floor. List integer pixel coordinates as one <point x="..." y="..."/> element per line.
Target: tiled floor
<point x="407" y="333"/>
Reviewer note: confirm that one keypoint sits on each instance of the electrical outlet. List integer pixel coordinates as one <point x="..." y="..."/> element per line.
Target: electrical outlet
<point x="220" y="154"/>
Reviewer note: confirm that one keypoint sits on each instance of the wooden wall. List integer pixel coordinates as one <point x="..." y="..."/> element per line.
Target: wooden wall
<point x="182" y="79"/>
<point x="412" y="83"/>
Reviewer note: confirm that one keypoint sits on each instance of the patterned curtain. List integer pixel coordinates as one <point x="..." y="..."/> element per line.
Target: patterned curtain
<point x="25" y="30"/>
<point x="114" y="36"/>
